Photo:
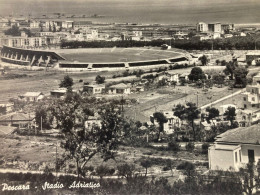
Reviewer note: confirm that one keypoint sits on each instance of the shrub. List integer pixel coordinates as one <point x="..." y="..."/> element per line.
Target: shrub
<point x="187" y="166"/>
<point x="204" y="148"/>
<point x="173" y="145"/>
<point x="190" y="146"/>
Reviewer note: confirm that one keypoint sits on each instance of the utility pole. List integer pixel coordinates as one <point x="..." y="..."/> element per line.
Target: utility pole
<point x="41" y="123"/>
<point x="197" y="99"/>
<point x="122" y="105"/>
<point x="56" y="167"/>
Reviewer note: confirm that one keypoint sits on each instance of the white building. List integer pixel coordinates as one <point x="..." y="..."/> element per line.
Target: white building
<point x="235" y="148"/>
<point x="202" y="27"/>
<point x="120" y="88"/>
<point x="32" y="96"/>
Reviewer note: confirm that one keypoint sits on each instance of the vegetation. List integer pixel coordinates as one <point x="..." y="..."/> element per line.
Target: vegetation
<point x="239" y="43"/>
<point x="212" y="113"/>
<point x="196" y="74"/>
<point x="161" y="119"/>
<point x="204" y="60"/>
<point x="230" y="114"/>
<point x="67" y="82"/>
<point x="99" y="79"/>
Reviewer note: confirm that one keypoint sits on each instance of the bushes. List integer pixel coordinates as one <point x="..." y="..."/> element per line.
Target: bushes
<point x="204" y="148"/>
<point x="187" y="166"/>
<point x="174" y="146"/>
<point x="104" y="170"/>
<point x="190" y="146"/>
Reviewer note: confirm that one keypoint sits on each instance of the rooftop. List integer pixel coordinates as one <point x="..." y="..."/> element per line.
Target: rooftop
<point x="32" y="94"/>
<point x="119" y="86"/>
<point x="246" y="135"/>
<point x="17" y="117"/>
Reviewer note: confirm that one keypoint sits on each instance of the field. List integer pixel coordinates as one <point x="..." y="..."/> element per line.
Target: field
<point x="33" y="153"/>
<point x="103" y="55"/>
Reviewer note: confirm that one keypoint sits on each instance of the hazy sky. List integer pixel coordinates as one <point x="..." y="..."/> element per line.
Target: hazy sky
<point x="161" y="11"/>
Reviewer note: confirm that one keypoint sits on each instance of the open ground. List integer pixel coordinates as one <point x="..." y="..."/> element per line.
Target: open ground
<point x="32" y="153"/>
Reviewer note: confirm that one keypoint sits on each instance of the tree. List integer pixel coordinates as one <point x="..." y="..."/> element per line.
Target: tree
<point x="240" y="74"/>
<point x="219" y="79"/>
<point x="192" y="113"/>
<point x="146" y="163"/>
<point x="204" y="60"/>
<point x="174" y="83"/>
<point x="223" y="63"/>
<point x="190" y="146"/>
<point x="179" y="111"/>
<point x="41" y="117"/>
<point x="161" y="119"/>
<point x="67" y="82"/>
<point x="82" y="143"/>
<point x="230" y="114"/>
<point x="230" y="68"/>
<point x="99" y="79"/>
<point x="13" y="31"/>
<point x="196" y="74"/>
<point x="250" y="180"/>
<point x="103" y="170"/>
<point x="2" y="110"/>
<point x="126" y="170"/>
<point x="212" y="113"/>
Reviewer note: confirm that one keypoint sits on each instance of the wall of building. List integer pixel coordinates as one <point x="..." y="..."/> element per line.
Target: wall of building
<point x="244" y="152"/>
<point x="221" y="159"/>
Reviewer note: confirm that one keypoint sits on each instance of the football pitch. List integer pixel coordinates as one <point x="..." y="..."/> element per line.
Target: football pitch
<point x="103" y="55"/>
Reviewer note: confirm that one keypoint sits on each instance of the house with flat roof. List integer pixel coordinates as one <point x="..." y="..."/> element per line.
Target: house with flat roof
<point x="57" y="93"/>
<point x="120" y="88"/>
<point x="235" y="148"/>
<point x="94" y="89"/>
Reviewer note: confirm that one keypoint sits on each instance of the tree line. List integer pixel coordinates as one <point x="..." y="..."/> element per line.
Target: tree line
<point x="239" y="43"/>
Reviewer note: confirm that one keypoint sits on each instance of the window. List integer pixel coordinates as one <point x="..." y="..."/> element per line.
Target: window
<point x="244" y="98"/>
<point x="253" y="99"/>
<point x="240" y="155"/>
<point x="244" y="105"/>
<point x="236" y="156"/>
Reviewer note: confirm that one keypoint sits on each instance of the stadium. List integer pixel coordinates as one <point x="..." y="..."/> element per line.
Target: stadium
<point x="95" y="58"/>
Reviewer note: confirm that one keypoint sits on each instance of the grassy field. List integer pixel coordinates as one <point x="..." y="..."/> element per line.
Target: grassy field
<point x="115" y="54"/>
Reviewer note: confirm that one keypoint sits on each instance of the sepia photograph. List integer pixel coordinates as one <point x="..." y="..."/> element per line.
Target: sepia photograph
<point x="131" y="97"/>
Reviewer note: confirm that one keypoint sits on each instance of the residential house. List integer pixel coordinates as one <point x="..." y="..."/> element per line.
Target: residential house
<point x="120" y="88"/>
<point x="93" y="121"/>
<point x="184" y="76"/>
<point x="58" y="93"/>
<point x="20" y="120"/>
<point x="235" y="148"/>
<point x="256" y="79"/>
<point x="172" y="123"/>
<point x="94" y="89"/>
<point x="251" y="105"/>
<point x="139" y="88"/>
<point x="32" y="96"/>
<point x="6" y="107"/>
<point x="224" y="108"/>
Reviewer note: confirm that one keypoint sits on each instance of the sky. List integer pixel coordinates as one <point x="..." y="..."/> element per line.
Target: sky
<point x="143" y="11"/>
